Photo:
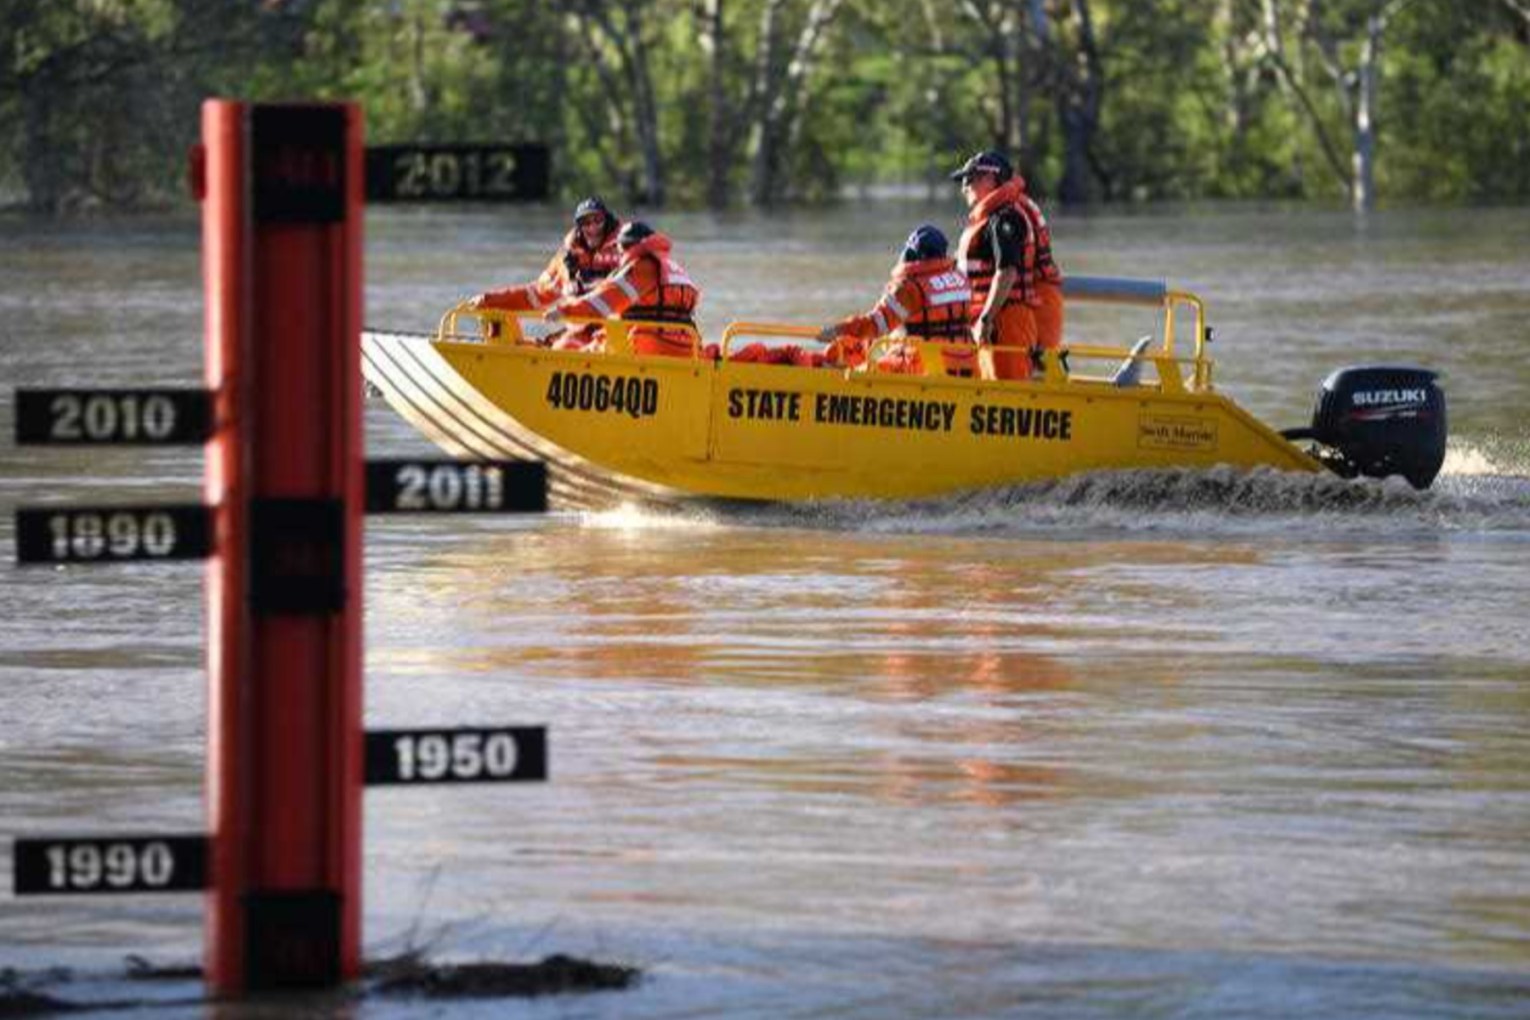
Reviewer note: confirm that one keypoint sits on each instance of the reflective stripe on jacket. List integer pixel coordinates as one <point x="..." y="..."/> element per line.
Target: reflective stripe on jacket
<point x="572" y="271"/>
<point x="979" y="261"/>
<point x="928" y="299"/>
<point x="647" y="285"/>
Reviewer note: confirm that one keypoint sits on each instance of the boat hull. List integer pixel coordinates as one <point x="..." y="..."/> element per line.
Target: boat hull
<point x="619" y="428"/>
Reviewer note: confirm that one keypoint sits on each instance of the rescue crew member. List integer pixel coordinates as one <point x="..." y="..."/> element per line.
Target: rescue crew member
<point x="927" y="296"/>
<point x="588" y="255"/>
<point x="1006" y="251"/>
<point x="648" y="285"/>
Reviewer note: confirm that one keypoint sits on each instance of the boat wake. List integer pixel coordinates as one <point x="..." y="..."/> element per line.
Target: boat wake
<point x="1473" y="494"/>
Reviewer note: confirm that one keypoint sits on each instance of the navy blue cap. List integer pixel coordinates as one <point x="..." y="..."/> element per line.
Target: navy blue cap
<point x="926" y="242"/>
<point x="986" y="162"/>
<point x="632" y="233"/>
<point x="591" y="206"/>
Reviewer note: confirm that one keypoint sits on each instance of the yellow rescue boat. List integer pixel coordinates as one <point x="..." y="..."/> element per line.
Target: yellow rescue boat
<point x="615" y="426"/>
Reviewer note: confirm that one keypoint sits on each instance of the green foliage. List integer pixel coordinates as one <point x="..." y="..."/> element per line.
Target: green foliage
<point x="98" y="100"/>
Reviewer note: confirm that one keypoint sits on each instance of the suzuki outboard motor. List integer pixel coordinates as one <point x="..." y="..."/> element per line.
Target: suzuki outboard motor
<point x="1379" y="421"/>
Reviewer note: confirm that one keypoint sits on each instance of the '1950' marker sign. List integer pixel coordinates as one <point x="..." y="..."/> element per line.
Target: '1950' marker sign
<point x="508" y="754"/>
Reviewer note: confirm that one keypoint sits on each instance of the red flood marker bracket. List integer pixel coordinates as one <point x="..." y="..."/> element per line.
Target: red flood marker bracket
<point x="282" y="187"/>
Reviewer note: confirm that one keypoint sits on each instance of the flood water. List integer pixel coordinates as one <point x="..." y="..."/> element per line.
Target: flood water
<point x="1174" y="744"/>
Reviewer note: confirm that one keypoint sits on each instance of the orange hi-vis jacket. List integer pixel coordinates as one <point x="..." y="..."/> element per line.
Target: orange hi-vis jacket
<point x="573" y="271"/>
<point x="929" y="299"/>
<point x="978" y="259"/>
<point x="647" y="285"/>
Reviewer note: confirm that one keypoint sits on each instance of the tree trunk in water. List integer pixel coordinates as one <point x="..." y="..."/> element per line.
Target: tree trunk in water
<point x="719" y="129"/>
<point x="647" y="109"/>
<point x="1363" y="186"/>
<point x="41" y="167"/>
<point x="781" y="103"/>
<point x="762" y="134"/>
<point x="1079" y="110"/>
<point x="632" y="64"/>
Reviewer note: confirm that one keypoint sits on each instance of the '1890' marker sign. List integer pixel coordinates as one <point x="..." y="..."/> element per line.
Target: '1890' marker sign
<point x="508" y="754"/>
<point x="112" y="534"/>
<point x="117" y="417"/>
<point x="110" y="864"/>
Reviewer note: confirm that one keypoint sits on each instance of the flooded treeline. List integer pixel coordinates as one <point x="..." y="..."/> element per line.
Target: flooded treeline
<point x="733" y="102"/>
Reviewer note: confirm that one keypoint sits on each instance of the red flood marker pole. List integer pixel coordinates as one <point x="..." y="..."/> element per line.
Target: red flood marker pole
<point x="281" y="189"/>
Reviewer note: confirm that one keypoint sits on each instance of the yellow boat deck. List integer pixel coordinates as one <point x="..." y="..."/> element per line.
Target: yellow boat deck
<point x="617" y="426"/>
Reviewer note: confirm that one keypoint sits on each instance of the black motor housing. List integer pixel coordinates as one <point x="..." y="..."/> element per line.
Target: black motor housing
<point x="1378" y="421"/>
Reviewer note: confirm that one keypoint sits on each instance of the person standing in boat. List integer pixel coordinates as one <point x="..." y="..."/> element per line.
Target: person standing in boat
<point x="927" y="296"/>
<point x="1006" y="251"/>
<point x="588" y="255"/>
<point x="648" y="285"/>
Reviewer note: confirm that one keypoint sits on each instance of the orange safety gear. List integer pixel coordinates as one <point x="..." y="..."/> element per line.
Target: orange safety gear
<point x="929" y="299"/>
<point x="980" y="262"/>
<point x="647" y="285"/>
<point x="790" y="354"/>
<point x="573" y="271"/>
<point x="1031" y="316"/>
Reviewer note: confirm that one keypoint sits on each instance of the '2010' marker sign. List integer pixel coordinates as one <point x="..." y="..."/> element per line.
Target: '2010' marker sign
<point x="163" y="417"/>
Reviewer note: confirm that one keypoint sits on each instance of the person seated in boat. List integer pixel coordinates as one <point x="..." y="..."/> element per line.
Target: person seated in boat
<point x="1006" y="251"/>
<point x="587" y="255"/>
<point x="927" y="296"/>
<point x="647" y="285"/>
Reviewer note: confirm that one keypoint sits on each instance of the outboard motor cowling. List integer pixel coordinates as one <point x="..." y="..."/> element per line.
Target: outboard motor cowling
<point x="1378" y="421"/>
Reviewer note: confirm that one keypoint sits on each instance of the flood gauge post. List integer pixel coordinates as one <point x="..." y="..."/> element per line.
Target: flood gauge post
<point x="282" y="189"/>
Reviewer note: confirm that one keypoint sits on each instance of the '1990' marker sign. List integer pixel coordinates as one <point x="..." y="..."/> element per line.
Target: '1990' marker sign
<point x="110" y="864"/>
<point x="507" y="754"/>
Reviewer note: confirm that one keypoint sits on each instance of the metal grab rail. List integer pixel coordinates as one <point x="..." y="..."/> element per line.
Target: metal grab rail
<point x="933" y="364"/>
<point x="1145" y="293"/>
<point x="758" y="329"/>
<point x="618" y="332"/>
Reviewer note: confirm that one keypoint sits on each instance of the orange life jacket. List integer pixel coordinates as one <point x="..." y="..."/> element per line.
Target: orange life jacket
<point x="944" y="294"/>
<point x="675" y="297"/>
<point x="666" y="294"/>
<point x="978" y="260"/>
<point x="580" y="267"/>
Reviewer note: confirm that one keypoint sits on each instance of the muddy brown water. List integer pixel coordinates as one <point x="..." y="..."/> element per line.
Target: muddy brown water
<point x="1122" y="745"/>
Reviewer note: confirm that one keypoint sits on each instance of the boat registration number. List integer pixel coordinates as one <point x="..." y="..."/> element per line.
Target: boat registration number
<point x="584" y="391"/>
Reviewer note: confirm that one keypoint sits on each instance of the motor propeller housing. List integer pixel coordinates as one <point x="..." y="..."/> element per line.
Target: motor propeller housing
<point x="1378" y="421"/>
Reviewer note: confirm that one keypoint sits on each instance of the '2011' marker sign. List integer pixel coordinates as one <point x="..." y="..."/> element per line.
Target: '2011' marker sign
<point x="451" y="486"/>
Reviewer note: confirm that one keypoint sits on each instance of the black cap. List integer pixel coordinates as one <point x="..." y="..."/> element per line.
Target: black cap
<point x="986" y="162"/>
<point x="926" y="242"/>
<point x="633" y="232"/>
<point x="591" y="206"/>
